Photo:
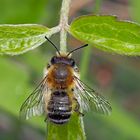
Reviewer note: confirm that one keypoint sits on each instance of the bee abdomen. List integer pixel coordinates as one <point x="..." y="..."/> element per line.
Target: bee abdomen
<point x="59" y="118"/>
<point x="59" y="108"/>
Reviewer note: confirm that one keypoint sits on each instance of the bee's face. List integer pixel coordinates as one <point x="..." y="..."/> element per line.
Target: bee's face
<point x="63" y="60"/>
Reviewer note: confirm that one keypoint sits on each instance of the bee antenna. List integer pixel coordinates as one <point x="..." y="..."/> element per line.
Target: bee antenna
<point x="77" y="49"/>
<point x="53" y="45"/>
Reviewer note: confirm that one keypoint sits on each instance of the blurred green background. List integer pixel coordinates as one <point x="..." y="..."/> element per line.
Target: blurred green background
<point x="116" y="77"/>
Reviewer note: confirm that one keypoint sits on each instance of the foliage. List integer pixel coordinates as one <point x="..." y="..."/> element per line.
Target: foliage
<point x="108" y="34"/>
<point x="16" y="39"/>
<point x="104" y="32"/>
<point x="27" y="11"/>
<point x="70" y="131"/>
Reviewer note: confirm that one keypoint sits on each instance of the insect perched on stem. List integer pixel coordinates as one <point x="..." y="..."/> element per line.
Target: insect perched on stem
<point x="61" y="92"/>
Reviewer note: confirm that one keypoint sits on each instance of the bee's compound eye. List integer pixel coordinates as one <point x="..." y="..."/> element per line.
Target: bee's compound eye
<point x="54" y="60"/>
<point x="72" y="62"/>
<point x="48" y="66"/>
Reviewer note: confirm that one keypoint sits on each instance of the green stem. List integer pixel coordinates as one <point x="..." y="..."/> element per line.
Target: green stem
<point x="54" y="30"/>
<point x="64" y="24"/>
<point x="97" y="6"/>
<point x="85" y="62"/>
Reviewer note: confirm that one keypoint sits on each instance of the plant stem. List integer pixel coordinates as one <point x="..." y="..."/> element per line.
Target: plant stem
<point x="85" y="62"/>
<point x="54" y="30"/>
<point x="96" y="8"/>
<point x="64" y="24"/>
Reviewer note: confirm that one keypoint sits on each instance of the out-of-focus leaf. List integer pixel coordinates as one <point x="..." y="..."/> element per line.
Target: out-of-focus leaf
<point x="15" y="79"/>
<point x="135" y="9"/>
<point x="107" y="33"/>
<point x="13" y="85"/>
<point x="73" y="130"/>
<point x="15" y="88"/>
<point x="119" y="121"/>
<point x="52" y="10"/>
<point x="124" y="121"/>
<point x="17" y="39"/>
<point x="26" y="11"/>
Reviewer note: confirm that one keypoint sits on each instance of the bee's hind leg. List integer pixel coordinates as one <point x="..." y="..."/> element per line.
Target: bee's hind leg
<point x="77" y="108"/>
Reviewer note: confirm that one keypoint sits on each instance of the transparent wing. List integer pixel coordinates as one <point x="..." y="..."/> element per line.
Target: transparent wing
<point x="90" y="99"/>
<point x="34" y="104"/>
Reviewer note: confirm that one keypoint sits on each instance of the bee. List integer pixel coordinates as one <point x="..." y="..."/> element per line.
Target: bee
<point x="61" y="92"/>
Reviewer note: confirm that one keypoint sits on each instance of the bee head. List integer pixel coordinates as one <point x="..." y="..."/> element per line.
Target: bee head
<point x="63" y="60"/>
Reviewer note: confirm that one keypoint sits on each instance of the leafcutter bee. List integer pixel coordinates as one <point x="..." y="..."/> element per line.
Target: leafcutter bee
<point x="61" y="92"/>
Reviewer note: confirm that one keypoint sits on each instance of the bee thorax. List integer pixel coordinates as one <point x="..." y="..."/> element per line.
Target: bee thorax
<point x="60" y="76"/>
<point x="61" y="73"/>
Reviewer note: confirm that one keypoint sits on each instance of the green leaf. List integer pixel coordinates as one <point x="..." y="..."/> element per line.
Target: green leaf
<point x="73" y="130"/>
<point x="108" y="34"/>
<point x="17" y="39"/>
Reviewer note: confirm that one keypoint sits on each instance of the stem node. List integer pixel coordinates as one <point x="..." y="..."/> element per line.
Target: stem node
<point x="64" y="25"/>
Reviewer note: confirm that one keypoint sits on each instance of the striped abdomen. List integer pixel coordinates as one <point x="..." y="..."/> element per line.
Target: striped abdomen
<point x="59" y="108"/>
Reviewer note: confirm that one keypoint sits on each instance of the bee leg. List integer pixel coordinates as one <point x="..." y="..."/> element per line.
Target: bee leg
<point x="77" y="108"/>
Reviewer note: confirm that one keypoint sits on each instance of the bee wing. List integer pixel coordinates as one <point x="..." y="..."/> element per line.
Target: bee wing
<point x="90" y="99"/>
<point x="34" y="104"/>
